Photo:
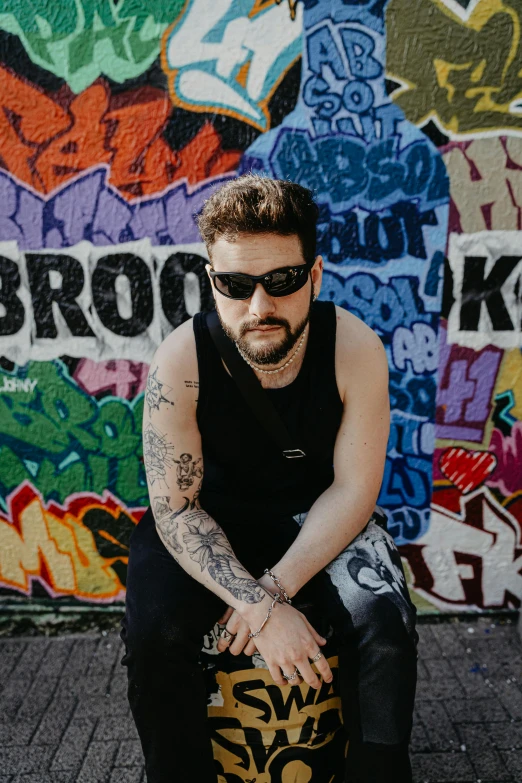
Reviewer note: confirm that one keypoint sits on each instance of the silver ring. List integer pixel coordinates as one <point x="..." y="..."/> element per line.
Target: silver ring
<point x="291" y="676"/>
<point x="226" y="635"/>
<point x="316" y="657"/>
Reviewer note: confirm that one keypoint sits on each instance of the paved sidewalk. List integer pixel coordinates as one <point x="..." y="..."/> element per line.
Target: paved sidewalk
<point x="64" y="716"/>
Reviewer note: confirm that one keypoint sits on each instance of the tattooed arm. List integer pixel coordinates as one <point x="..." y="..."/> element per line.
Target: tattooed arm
<point x="174" y="468"/>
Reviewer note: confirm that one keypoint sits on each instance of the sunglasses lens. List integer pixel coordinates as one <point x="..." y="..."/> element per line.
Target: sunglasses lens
<point x="281" y="282"/>
<point x="234" y="286"/>
<point x="286" y="281"/>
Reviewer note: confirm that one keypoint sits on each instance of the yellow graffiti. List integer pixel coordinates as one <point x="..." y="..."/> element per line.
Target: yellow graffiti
<point x="53" y="545"/>
<point x="275" y="729"/>
<point x="463" y="73"/>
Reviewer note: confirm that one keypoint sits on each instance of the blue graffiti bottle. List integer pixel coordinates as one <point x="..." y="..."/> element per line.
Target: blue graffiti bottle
<point x="383" y="195"/>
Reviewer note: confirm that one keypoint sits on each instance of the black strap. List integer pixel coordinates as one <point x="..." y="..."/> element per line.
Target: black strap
<point x="251" y="389"/>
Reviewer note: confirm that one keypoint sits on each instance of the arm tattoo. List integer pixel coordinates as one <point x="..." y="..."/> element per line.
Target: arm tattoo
<point x="187" y="470"/>
<point x="204" y="540"/>
<point x="165" y="517"/>
<point x="207" y="545"/>
<point x="158" y="455"/>
<point x="155" y="392"/>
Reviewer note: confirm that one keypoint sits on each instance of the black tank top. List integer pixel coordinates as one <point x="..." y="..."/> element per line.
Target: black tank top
<point x="245" y="475"/>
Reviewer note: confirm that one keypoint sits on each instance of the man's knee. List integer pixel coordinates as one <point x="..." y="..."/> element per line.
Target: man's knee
<point x="155" y="640"/>
<point x="389" y="628"/>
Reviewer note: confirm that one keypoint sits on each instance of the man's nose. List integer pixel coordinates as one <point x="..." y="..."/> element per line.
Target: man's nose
<point x="261" y="304"/>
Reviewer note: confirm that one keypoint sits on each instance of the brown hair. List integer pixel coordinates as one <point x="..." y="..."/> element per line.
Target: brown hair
<point x="253" y="204"/>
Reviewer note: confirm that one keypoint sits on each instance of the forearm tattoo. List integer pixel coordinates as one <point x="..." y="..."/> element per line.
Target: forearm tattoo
<point x="207" y="545"/>
<point x="166" y="518"/>
<point x="202" y="538"/>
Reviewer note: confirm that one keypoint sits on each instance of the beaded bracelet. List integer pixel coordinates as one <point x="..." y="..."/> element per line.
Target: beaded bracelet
<point x="276" y="581"/>
<point x="255" y="634"/>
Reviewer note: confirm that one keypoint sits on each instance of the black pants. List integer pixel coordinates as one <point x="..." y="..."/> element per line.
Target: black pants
<point x="362" y="595"/>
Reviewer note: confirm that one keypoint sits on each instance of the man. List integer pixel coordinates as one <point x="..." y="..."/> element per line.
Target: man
<point x="226" y="504"/>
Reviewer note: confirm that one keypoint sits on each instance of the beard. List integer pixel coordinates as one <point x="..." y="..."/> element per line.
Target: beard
<point x="267" y="354"/>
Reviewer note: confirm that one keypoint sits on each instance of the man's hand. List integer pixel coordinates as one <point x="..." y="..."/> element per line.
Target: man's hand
<point x="290" y="641"/>
<point x="239" y="627"/>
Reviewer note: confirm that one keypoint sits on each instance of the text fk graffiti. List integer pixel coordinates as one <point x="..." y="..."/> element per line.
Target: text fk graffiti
<point x="472" y="558"/>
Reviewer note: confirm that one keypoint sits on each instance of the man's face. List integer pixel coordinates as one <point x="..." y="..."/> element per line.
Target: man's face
<point x="266" y="328"/>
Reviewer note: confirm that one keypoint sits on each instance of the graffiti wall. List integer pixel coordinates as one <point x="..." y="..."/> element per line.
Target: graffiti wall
<point x="118" y="120"/>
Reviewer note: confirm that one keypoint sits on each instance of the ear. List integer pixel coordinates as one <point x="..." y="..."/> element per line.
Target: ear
<point x="208" y="269"/>
<point x="317" y="275"/>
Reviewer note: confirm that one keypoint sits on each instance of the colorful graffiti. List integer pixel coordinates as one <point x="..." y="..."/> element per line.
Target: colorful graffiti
<point x="455" y="72"/>
<point x="383" y="194"/>
<point x="120" y="118"/>
<point x="87" y="38"/>
<point x="94" y="128"/>
<point x="58" y="437"/>
<point x="225" y="57"/>
<point x="457" y="63"/>
<point x="78" y="550"/>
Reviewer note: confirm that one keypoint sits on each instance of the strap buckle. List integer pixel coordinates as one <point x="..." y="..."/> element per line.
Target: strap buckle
<point x="293" y="453"/>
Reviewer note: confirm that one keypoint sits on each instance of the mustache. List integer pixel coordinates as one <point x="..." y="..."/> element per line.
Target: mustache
<point x="268" y="321"/>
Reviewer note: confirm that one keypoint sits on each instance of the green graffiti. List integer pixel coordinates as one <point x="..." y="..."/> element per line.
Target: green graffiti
<point x="80" y="40"/>
<point x="57" y="436"/>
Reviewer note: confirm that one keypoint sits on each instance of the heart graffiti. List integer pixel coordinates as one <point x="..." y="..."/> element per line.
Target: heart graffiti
<point x="467" y="469"/>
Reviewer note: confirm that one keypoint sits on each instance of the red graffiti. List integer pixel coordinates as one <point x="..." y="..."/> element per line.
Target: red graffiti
<point x="29" y="118"/>
<point x="467" y="469"/>
<point x="508" y="451"/>
<point x="46" y="142"/>
<point x="471" y="554"/>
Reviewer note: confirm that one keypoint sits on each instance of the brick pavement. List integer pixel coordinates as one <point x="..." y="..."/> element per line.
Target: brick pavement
<point x="64" y="716"/>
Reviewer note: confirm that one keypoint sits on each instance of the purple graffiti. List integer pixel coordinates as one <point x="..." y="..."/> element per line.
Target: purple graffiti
<point x="467" y="379"/>
<point x="89" y="208"/>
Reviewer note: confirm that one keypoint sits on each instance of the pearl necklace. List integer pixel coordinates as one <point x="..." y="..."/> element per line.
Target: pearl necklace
<point x="273" y="372"/>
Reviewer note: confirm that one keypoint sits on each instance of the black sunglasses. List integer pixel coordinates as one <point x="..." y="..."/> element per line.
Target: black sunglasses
<point x="279" y="282"/>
